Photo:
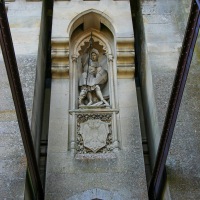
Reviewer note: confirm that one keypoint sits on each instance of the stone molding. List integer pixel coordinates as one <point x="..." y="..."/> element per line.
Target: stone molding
<point x="125" y="57"/>
<point x="60" y="57"/>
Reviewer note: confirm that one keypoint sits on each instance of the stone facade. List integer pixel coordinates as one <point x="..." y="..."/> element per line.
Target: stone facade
<point x="114" y="168"/>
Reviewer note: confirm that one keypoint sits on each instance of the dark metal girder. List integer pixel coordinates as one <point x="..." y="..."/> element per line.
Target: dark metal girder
<point x="16" y="89"/>
<point x="198" y="3"/>
<point x="185" y="59"/>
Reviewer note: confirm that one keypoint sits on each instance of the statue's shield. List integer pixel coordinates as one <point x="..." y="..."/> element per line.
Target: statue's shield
<point x="101" y="77"/>
<point x="94" y="133"/>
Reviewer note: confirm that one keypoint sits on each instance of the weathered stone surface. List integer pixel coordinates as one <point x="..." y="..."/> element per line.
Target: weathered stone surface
<point x="61" y="20"/>
<point x="113" y="181"/>
<point x="164" y="36"/>
<point x="25" y="31"/>
<point x="12" y="161"/>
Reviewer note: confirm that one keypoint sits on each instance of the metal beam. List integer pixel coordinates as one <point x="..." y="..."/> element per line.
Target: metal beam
<point x="16" y="89"/>
<point x="198" y="3"/>
<point x="175" y="99"/>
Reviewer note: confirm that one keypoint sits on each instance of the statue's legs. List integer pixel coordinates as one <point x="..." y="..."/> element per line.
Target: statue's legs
<point x="100" y="96"/>
<point x="82" y="96"/>
<point x="89" y="97"/>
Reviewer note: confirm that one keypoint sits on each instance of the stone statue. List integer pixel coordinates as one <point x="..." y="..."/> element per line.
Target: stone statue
<point x="93" y="76"/>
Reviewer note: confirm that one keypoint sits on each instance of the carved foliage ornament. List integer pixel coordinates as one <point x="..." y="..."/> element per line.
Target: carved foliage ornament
<point x="95" y="39"/>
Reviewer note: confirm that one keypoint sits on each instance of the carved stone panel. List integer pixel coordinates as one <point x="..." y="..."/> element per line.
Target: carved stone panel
<point x="94" y="133"/>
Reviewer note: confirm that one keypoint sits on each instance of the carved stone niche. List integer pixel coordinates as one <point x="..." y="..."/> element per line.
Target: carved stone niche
<point x="93" y="76"/>
<point x="93" y="104"/>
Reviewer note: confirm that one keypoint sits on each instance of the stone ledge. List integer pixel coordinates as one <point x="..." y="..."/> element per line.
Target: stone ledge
<point x="95" y="156"/>
<point x="80" y="111"/>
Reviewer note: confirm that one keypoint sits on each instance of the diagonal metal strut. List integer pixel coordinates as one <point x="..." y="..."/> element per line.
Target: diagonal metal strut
<point x="15" y="85"/>
<point x="185" y="59"/>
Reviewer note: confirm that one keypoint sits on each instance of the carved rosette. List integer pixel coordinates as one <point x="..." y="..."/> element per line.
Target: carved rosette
<point x="94" y="133"/>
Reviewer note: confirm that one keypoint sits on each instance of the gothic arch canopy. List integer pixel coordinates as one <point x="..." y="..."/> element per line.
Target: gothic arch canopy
<point x="97" y="37"/>
<point x="91" y="19"/>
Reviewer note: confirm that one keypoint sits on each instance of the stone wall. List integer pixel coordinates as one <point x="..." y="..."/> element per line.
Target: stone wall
<point x="24" y="19"/>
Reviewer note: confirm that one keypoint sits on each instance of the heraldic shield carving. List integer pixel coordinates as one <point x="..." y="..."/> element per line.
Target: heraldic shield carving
<point x="94" y="134"/>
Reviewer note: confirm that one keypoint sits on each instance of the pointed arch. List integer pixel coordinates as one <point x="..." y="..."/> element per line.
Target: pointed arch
<point x="97" y="36"/>
<point x="87" y="18"/>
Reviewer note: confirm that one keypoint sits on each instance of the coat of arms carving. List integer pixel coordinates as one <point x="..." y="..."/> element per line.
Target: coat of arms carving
<point x="94" y="135"/>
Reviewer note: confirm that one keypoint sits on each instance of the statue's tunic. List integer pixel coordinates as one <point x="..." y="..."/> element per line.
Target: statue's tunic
<point x="93" y="76"/>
